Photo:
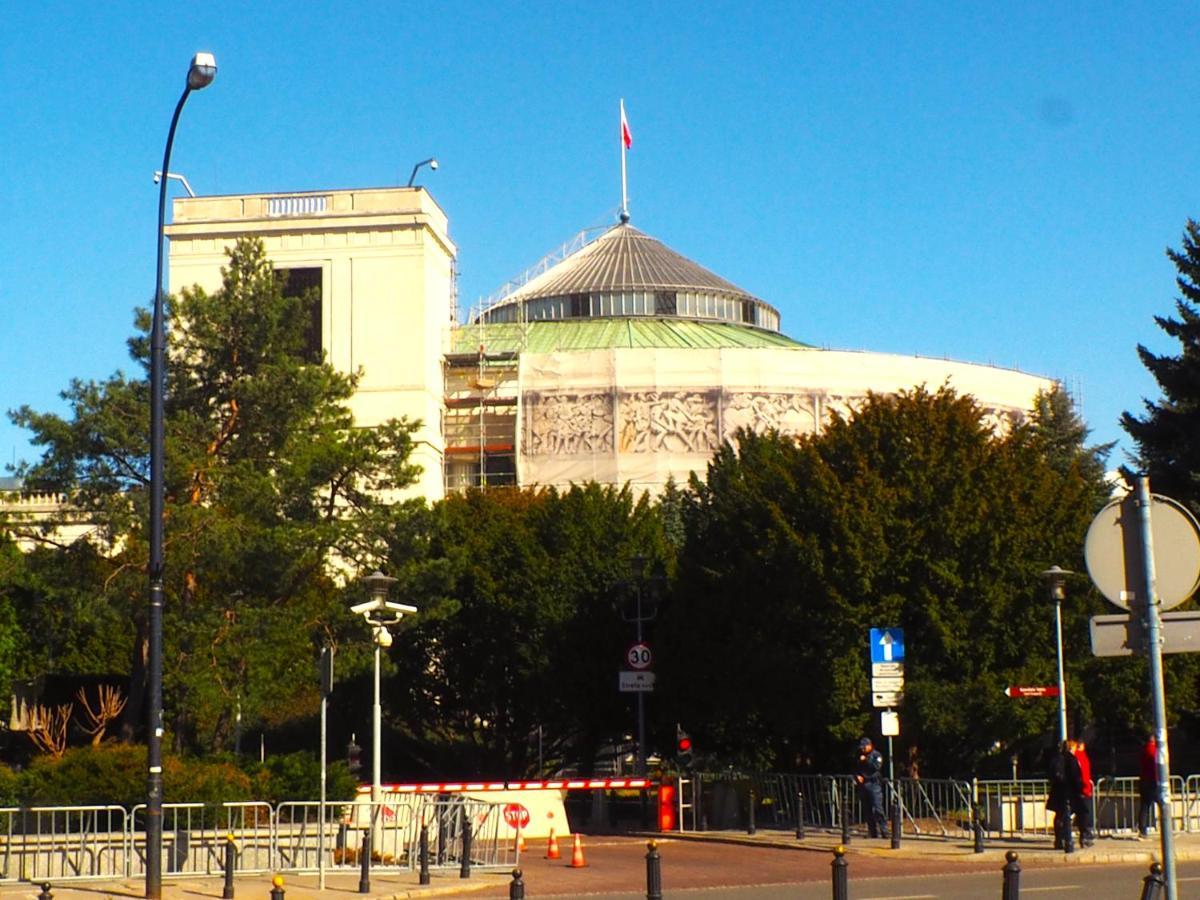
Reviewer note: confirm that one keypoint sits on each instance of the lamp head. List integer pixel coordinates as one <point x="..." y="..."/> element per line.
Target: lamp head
<point x="378" y="584"/>
<point x="1056" y="578"/>
<point x="433" y="164"/>
<point x="202" y="71"/>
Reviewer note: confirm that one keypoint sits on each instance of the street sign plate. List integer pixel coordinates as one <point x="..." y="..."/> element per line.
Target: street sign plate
<point x="639" y="656"/>
<point x="887" y="670"/>
<point x="1031" y="691"/>
<point x="887" y="645"/>
<point x="884" y="685"/>
<point x="886" y="698"/>
<point x="1125" y="635"/>
<point x="635" y="681"/>
<point x="1113" y="551"/>
<point x="889" y="723"/>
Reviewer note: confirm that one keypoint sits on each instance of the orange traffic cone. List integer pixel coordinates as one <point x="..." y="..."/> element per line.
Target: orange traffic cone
<point x="520" y="841"/>
<point x="552" y="847"/>
<point x="577" y="854"/>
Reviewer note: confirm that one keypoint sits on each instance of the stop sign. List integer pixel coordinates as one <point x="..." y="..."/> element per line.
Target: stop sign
<point x="516" y="815"/>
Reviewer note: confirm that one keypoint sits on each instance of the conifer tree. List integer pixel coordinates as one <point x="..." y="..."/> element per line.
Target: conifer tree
<point x="1168" y="433"/>
<point x="270" y="488"/>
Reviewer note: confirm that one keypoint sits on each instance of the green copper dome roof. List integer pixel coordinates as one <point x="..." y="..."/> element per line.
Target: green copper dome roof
<point x="549" y="336"/>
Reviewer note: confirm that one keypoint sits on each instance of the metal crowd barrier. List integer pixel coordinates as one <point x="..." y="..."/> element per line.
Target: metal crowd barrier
<point x="69" y="843"/>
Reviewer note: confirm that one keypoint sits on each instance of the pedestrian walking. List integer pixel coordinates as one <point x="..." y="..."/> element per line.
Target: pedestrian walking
<point x="1081" y="801"/>
<point x="1062" y="771"/>
<point x="1147" y="786"/>
<point x="868" y="775"/>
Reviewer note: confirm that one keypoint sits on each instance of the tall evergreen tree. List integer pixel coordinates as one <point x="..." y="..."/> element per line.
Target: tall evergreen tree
<point x="269" y="487"/>
<point x="1168" y="432"/>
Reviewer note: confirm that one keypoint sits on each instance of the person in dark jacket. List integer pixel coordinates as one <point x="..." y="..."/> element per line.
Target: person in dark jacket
<point x="868" y="775"/>
<point x="1147" y="786"/>
<point x="1066" y="782"/>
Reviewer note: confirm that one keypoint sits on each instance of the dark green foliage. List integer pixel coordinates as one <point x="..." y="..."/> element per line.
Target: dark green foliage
<point x="116" y="774"/>
<point x="297" y="777"/>
<point x="529" y="633"/>
<point x="910" y="513"/>
<point x="1168" y="432"/>
<point x="267" y="482"/>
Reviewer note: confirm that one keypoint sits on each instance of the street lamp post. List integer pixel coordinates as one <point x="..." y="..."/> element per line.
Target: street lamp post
<point x="381" y="614"/>
<point x="1056" y="579"/>
<point x="200" y="75"/>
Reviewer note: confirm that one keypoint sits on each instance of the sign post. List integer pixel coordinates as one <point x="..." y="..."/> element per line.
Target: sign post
<point x="1120" y="552"/>
<point x="887" y="684"/>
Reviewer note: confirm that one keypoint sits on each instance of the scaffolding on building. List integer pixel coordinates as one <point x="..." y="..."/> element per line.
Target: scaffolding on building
<point x="480" y="424"/>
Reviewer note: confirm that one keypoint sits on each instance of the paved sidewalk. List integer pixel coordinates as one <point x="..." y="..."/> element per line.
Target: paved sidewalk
<point x="1115" y="849"/>
<point x="393" y="885"/>
<point x="384" y="886"/>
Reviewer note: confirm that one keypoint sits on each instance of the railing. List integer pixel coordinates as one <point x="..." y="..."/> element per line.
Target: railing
<point x="69" y="843"/>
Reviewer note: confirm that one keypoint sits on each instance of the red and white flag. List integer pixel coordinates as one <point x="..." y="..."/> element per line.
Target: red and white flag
<point x="626" y="134"/>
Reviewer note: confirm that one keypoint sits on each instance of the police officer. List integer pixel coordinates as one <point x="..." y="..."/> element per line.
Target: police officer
<point x="868" y="775"/>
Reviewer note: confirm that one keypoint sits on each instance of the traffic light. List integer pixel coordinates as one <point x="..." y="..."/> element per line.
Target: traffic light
<point x="353" y="756"/>
<point x="683" y="748"/>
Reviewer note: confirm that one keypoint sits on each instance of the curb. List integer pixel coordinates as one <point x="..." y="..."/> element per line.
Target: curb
<point x="996" y="855"/>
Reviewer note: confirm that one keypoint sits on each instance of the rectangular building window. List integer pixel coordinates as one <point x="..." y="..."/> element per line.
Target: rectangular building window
<point x="665" y="303"/>
<point x="305" y="285"/>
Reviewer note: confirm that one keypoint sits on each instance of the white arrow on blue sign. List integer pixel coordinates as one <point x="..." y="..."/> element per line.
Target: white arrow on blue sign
<point x="887" y="645"/>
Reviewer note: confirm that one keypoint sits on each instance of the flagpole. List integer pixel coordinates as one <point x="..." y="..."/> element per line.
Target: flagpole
<point x="624" y="182"/>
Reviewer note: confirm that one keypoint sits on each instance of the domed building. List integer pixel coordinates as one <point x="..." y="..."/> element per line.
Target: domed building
<point x="619" y="360"/>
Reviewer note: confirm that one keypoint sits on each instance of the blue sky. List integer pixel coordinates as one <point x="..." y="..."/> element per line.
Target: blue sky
<point x="988" y="182"/>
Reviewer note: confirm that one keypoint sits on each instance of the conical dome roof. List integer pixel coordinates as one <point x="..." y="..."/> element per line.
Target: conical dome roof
<point x="627" y="272"/>
<point x="624" y="259"/>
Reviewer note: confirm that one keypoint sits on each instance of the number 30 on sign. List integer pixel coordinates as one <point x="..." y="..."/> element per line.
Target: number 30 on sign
<point x="639" y="657"/>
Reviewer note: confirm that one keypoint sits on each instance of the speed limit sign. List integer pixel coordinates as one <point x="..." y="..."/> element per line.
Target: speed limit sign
<point x="638" y="656"/>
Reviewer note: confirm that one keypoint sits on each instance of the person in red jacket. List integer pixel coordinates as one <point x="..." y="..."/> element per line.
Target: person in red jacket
<point x="1081" y="803"/>
<point x="1147" y="786"/>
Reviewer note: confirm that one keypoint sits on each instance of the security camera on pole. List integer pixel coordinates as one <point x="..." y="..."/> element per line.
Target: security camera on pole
<point x="381" y="614"/>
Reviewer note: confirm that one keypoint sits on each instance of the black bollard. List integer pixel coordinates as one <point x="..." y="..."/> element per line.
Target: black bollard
<point x="1154" y="887"/>
<point x="230" y="867"/>
<point x="1012" y="877"/>
<point x="277" y="888"/>
<point x="441" y="854"/>
<point x="516" y="890"/>
<point x="841" y="888"/>
<point x="45" y="894"/>
<point x="977" y="827"/>
<point x="424" y="878"/>
<point x="464" y="870"/>
<point x="799" y="815"/>
<point x="751" y="828"/>
<point x="364" y="849"/>
<point x="653" y="872"/>
<point x="897" y="820"/>
<point x="845" y="819"/>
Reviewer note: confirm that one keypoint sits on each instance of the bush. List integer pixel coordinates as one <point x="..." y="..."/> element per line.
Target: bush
<point x="10" y="787"/>
<point x="116" y="774"/>
<point x="297" y="776"/>
<point x="87" y="776"/>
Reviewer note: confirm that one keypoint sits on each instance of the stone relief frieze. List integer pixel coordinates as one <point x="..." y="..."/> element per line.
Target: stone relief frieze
<point x="669" y="422"/>
<point x="684" y="421"/>
<point x="793" y="414"/>
<point x="569" y="424"/>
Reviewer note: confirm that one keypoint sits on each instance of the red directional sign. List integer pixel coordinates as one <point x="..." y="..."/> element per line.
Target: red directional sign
<point x="1015" y="691"/>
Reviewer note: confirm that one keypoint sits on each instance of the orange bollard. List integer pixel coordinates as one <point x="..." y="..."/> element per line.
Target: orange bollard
<point x="577" y="854"/>
<point x="552" y="851"/>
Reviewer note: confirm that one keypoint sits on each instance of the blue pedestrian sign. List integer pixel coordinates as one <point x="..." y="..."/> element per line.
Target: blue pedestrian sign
<point x="887" y="645"/>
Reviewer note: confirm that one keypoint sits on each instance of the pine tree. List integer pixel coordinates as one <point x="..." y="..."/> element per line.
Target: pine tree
<point x="1168" y="434"/>
<point x="269" y="489"/>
